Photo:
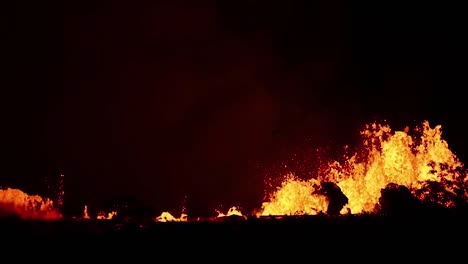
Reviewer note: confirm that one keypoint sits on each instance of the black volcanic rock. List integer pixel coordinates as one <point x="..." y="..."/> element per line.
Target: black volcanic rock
<point x="436" y="194"/>
<point x="398" y="200"/>
<point x="129" y="208"/>
<point x="336" y="198"/>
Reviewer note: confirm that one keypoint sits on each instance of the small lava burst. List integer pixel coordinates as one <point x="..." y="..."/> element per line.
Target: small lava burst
<point x="168" y="217"/>
<point x="295" y="197"/>
<point x="410" y="163"/>
<point x="106" y="216"/>
<point x="233" y="211"/>
<point x="85" y="213"/>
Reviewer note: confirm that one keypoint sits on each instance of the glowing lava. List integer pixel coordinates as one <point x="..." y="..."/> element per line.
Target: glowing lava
<point x="103" y="216"/>
<point x="294" y="197"/>
<point x="14" y="202"/>
<point x="85" y="213"/>
<point x="419" y="160"/>
<point x="401" y="158"/>
<point x="233" y="211"/>
<point x="168" y="217"/>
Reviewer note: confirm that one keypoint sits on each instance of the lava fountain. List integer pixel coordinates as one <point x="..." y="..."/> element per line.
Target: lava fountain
<point x="418" y="159"/>
<point x="14" y="202"/>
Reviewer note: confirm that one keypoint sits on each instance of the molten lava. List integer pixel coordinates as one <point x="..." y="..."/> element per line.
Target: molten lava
<point x="85" y="213"/>
<point x="14" y="202"/>
<point x="295" y="197"/>
<point x="168" y="217"/>
<point x="233" y="211"/>
<point x="416" y="161"/>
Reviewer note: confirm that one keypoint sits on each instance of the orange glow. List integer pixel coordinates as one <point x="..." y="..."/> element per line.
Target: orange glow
<point x="168" y="217"/>
<point x="85" y="213"/>
<point x="103" y="216"/>
<point x="15" y="202"/>
<point x="418" y="159"/>
<point x="294" y="197"/>
<point x="233" y="211"/>
<point x="386" y="157"/>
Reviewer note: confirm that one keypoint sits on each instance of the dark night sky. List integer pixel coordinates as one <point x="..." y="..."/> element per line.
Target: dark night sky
<point x="159" y="100"/>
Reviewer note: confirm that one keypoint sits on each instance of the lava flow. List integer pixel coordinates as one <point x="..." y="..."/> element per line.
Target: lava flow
<point x="418" y="161"/>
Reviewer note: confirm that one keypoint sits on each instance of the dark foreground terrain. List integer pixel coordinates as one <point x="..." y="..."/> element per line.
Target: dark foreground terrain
<point x="416" y="229"/>
<point x="368" y="238"/>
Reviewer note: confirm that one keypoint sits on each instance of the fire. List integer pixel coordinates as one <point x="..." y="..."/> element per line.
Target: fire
<point x="386" y="157"/>
<point x="168" y="217"/>
<point x="85" y="213"/>
<point x="233" y="211"/>
<point x="103" y="216"/>
<point x="15" y="202"/>
<point x="294" y="197"/>
<point x="419" y="160"/>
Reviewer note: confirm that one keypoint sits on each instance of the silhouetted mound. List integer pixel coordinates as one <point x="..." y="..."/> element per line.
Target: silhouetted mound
<point x="436" y="194"/>
<point x="336" y="197"/>
<point x="398" y="200"/>
<point x="129" y="209"/>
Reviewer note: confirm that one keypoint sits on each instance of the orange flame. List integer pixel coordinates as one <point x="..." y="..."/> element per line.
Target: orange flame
<point x="386" y="158"/>
<point x="294" y="197"/>
<point x="233" y="211"/>
<point x="85" y="213"/>
<point x="168" y="217"/>
<point x="423" y="163"/>
<point x="109" y="216"/>
<point x="15" y="202"/>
